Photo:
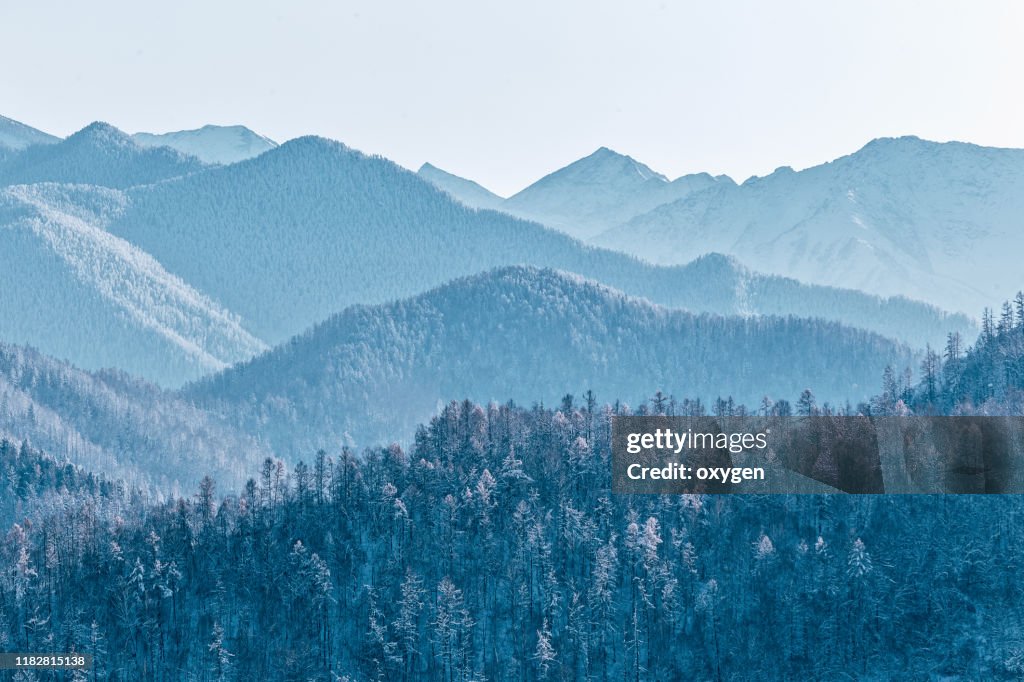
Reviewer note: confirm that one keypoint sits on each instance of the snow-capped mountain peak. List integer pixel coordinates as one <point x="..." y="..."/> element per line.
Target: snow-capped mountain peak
<point x="594" y="193"/>
<point x="937" y="221"/>
<point x="604" y="166"/>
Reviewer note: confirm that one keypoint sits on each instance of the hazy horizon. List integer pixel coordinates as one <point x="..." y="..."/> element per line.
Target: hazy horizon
<point x="505" y="94"/>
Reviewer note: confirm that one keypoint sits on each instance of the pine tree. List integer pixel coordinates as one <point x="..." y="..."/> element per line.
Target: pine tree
<point x="858" y="563"/>
<point x="406" y="625"/>
<point x="544" y="653"/>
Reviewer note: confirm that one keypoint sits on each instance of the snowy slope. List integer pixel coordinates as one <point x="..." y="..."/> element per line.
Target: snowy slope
<point x="211" y="144"/>
<point x="75" y="291"/>
<point x="600" y="191"/>
<point x="942" y="223"/>
<point x="99" y="154"/>
<point x="466" y="191"/>
<point x="15" y="135"/>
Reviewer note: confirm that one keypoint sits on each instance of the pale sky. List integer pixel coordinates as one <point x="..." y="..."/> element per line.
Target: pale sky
<point x="505" y="92"/>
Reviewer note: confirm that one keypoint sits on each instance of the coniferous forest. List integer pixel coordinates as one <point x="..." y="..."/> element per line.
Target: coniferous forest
<point x="276" y="406"/>
<point x="492" y="548"/>
<point x="296" y="413"/>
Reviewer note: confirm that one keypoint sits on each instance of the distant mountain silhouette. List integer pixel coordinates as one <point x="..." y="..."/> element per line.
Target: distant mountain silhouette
<point x="466" y="191"/>
<point x="99" y="154"/>
<point x="211" y="144"/>
<point x="935" y="222"/>
<point x="17" y="136"/>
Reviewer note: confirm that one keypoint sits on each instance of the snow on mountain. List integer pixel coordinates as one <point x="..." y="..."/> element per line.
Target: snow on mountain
<point x="99" y="154"/>
<point x="211" y="144"/>
<point x="600" y="191"/>
<point x="293" y="236"/>
<point x="466" y="191"/>
<point x="17" y="136"/>
<point x="937" y="222"/>
<point x="530" y="335"/>
<point x="76" y="291"/>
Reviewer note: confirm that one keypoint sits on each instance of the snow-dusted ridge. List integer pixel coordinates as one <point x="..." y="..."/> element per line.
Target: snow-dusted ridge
<point x="939" y="222"/>
<point x="154" y="323"/>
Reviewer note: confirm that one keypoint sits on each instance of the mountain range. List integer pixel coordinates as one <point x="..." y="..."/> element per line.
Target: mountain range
<point x="372" y="373"/>
<point x="287" y="239"/>
<point x="587" y="197"/>
<point x="178" y="278"/>
<point x="99" y="154"/>
<point x="369" y="374"/>
<point x="255" y="299"/>
<point x="938" y="222"/>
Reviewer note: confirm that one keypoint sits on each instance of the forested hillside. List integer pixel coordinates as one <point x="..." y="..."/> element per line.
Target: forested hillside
<point x="289" y="238"/>
<point x="115" y="425"/>
<point x="33" y="484"/>
<point x="493" y="549"/>
<point x="369" y="374"/>
<point x="99" y="154"/>
<point x="986" y="378"/>
<point x="75" y="291"/>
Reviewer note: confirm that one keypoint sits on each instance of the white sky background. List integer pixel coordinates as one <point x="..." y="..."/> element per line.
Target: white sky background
<point x="504" y="93"/>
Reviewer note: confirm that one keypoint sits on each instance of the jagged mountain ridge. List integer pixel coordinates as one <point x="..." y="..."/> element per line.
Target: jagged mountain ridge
<point x="939" y="222"/>
<point x="370" y="373"/>
<point x="586" y="197"/>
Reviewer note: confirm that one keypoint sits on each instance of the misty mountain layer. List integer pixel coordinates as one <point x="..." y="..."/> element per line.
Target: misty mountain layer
<point x="211" y="144"/>
<point x="936" y="222"/>
<point x="113" y="424"/>
<point x="291" y="237"/>
<point x="76" y="291"/>
<point x="99" y="154"/>
<point x="371" y="373"/>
